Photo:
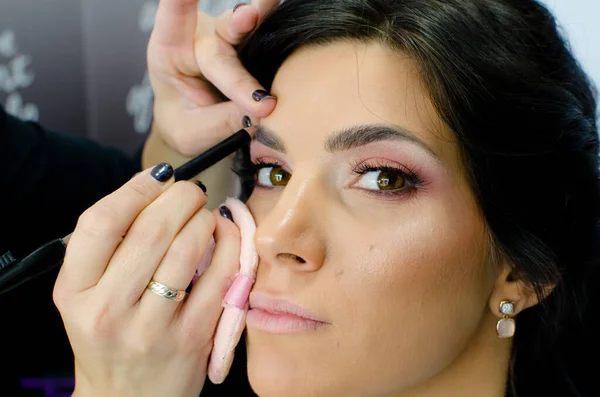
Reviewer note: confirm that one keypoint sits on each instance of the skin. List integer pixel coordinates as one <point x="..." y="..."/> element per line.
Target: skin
<point x="404" y="282"/>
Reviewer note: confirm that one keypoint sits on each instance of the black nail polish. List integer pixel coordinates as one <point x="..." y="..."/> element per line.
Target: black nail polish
<point x="201" y="186"/>
<point x="226" y="213"/>
<point x="260" y="95"/>
<point x="162" y="172"/>
<point x="238" y="5"/>
<point x="247" y="122"/>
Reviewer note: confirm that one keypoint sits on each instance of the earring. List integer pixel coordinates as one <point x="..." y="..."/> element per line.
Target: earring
<point x="506" y="325"/>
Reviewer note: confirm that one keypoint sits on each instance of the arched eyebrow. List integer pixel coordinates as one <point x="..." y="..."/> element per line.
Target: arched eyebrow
<point x="349" y="138"/>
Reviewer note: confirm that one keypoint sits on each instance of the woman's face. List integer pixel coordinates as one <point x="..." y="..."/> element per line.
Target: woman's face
<point x="376" y="233"/>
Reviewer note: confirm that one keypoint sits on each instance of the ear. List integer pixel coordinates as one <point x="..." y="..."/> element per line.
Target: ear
<point x="508" y="287"/>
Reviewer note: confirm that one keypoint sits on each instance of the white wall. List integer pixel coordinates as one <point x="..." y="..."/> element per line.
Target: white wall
<point x="579" y="19"/>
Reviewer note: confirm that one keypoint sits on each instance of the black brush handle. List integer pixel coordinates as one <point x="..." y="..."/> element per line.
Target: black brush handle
<point x="16" y="272"/>
<point x="212" y="156"/>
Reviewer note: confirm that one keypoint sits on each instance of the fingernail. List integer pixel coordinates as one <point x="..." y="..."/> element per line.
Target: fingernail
<point x="226" y="213"/>
<point x="260" y="95"/>
<point x="246" y="122"/>
<point x="162" y="172"/>
<point x="201" y="186"/>
<point x="238" y="5"/>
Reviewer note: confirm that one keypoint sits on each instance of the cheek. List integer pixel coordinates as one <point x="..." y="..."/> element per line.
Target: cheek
<point x="260" y="204"/>
<point x="418" y="291"/>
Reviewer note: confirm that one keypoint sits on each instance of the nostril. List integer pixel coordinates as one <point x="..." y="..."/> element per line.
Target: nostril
<point x="291" y="256"/>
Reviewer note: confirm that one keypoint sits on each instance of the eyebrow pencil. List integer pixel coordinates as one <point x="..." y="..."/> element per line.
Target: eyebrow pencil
<point x="15" y="272"/>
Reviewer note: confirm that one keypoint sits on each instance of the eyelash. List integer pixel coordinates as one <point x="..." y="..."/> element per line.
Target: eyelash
<point x="248" y="173"/>
<point x="413" y="181"/>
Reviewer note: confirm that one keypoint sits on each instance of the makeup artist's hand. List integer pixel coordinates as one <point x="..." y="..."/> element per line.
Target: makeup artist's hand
<point x="194" y="69"/>
<point x="127" y="340"/>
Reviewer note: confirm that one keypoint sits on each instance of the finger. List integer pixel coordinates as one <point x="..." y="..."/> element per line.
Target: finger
<point x="221" y="66"/>
<point x="179" y="265"/>
<point x="264" y="7"/>
<point x="147" y="241"/>
<point x="206" y="126"/>
<point x="101" y="228"/>
<point x="175" y="23"/>
<point x="234" y="26"/>
<point x="205" y="261"/>
<point x="203" y="306"/>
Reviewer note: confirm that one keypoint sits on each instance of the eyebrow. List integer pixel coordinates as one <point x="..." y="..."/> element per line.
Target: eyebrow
<point x="349" y="138"/>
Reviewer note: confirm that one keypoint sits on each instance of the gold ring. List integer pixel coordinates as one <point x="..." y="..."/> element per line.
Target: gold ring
<point x="166" y="292"/>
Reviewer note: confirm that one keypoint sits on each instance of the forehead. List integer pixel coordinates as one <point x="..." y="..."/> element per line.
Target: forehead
<point x="323" y="89"/>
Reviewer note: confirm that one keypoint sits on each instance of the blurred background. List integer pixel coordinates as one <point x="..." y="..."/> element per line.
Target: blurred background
<point x="79" y="67"/>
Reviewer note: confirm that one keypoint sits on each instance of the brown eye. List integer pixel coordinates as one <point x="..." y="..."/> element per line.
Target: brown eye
<point x="387" y="180"/>
<point x="383" y="179"/>
<point x="279" y="177"/>
<point x="273" y="176"/>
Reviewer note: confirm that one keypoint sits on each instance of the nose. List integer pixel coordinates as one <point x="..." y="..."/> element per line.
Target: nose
<point x="291" y="233"/>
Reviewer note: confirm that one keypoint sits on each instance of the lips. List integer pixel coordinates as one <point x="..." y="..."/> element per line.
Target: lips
<point x="280" y="316"/>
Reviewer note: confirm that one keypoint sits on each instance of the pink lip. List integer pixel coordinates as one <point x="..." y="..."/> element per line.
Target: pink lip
<point x="280" y="316"/>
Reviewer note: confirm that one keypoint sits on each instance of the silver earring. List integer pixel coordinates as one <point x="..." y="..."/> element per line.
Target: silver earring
<point x="505" y="327"/>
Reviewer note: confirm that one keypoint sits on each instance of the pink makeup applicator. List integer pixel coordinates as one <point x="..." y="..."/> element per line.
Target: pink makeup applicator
<point x="233" y="319"/>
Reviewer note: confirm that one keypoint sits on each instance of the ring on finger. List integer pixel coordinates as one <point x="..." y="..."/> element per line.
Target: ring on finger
<point x="165" y="291"/>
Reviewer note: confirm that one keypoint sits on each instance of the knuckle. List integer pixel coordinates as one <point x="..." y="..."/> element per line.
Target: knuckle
<point x="206" y="55"/>
<point x="99" y="221"/>
<point x="59" y="297"/>
<point x="216" y="56"/>
<point x="208" y="218"/>
<point x="242" y="82"/>
<point x="99" y="323"/>
<point x="179" y="143"/>
<point x="184" y="143"/>
<point x="190" y="191"/>
<point x="140" y="188"/>
<point x="188" y="195"/>
<point x="148" y="338"/>
<point x="155" y="231"/>
<point x="223" y="51"/>
<point x="185" y="250"/>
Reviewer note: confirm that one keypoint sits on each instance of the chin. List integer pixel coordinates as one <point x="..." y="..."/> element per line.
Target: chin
<point x="279" y="366"/>
<point x="270" y="372"/>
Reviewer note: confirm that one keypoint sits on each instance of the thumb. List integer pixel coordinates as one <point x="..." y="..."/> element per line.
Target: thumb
<point x="200" y="128"/>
